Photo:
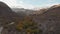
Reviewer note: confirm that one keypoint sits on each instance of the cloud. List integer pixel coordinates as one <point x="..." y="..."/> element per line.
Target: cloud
<point x="21" y="4"/>
<point x="50" y="0"/>
<point x="9" y="2"/>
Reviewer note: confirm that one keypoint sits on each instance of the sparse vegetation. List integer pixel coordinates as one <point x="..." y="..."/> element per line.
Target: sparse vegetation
<point x="28" y="26"/>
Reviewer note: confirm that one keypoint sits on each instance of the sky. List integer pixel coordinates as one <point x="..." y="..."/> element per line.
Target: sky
<point x="30" y="4"/>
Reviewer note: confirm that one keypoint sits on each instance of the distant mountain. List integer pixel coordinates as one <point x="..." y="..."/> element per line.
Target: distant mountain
<point x="26" y="11"/>
<point x="23" y="12"/>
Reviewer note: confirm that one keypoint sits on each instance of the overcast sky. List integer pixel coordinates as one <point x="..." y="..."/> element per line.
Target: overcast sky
<point x="29" y="4"/>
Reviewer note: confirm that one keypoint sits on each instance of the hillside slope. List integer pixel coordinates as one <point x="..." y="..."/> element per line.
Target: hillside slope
<point x="6" y="14"/>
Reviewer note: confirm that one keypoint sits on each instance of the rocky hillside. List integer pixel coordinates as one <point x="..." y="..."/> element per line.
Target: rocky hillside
<point x="6" y="14"/>
<point x="50" y="21"/>
<point x="44" y="21"/>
